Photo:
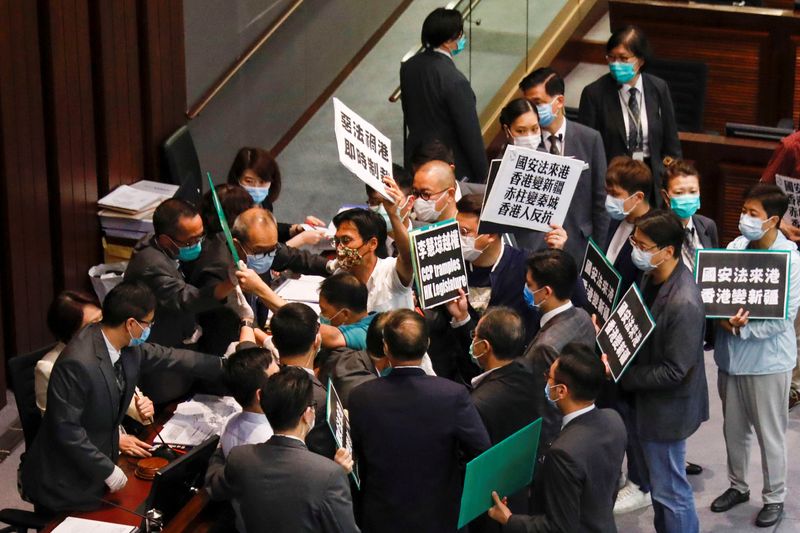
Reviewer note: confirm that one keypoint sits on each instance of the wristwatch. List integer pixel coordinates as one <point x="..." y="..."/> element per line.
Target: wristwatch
<point x="246" y="323"/>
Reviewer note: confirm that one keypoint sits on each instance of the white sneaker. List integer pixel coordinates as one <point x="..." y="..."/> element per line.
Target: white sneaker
<point x="630" y="498"/>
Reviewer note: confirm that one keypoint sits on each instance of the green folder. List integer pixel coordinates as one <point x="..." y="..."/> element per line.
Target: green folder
<point x="506" y="468"/>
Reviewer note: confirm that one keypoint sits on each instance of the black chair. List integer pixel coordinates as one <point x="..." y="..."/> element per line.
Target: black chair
<point x="687" y="82"/>
<point x="183" y="164"/>
<point x="21" y="371"/>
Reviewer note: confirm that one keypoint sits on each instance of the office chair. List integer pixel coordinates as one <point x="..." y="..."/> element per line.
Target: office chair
<point x="183" y="164"/>
<point x="687" y="82"/>
<point x="21" y="370"/>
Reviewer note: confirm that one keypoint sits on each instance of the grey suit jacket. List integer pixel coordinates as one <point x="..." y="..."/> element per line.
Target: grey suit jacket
<point x="668" y="375"/>
<point x="572" y="325"/>
<point x="587" y="216"/>
<point x="177" y="303"/>
<point x="706" y="231"/>
<point x="282" y="487"/>
<point x="78" y="444"/>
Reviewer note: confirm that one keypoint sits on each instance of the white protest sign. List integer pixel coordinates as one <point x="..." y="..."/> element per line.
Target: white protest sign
<point x="791" y="186"/>
<point x="532" y="189"/>
<point x="363" y="150"/>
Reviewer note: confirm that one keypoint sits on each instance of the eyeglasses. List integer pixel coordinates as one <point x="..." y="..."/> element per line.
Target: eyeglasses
<point x="637" y="244"/>
<point x="427" y="195"/>
<point x="620" y="59"/>
<point x="191" y="242"/>
<point x="145" y="322"/>
<point x="259" y="255"/>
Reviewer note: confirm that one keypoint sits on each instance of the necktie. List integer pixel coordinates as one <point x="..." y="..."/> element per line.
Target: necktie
<point x="120" y="375"/>
<point x="554" y="140"/>
<point x="688" y="246"/>
<point x="633" y="123"/>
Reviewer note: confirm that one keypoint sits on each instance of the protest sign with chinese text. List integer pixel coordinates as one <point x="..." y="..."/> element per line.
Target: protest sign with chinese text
<point x="340" y="426"/>
<point x="602" y="282"/>
<point x="791" y="186"/>
<point x="439" y="268"/>
<point x="754" y="280"/>
<point x="625" y="331"/>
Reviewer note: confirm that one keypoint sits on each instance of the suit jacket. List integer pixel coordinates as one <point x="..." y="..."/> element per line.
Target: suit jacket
<point x="438" y="103"/>
<point x="347" y="369"/>
<point x="78" y="444"/>
<point x="578" y="479"/>
<point x="623" y="262"/>
<point x="706" y="231"/>
<point x="668" y="375"/>
<point x="572" y="325"/>
<point x="587" y="215"/>
<point x="408" y="430"/>
<point x="177" y="304"/>
<point x="601" y="109"/>
<point x="281" y="487"/>
<point x="320" y="439"/>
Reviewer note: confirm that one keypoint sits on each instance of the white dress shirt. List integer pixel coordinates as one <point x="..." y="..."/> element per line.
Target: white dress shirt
<point x="245" y="428"/>
<point x="624" y="95"/>
<point x="560" y="144"/>
<point x="575" y="414"/>
<point x="386" y="291"/>
<point x="624" y="231"/>
<point x="553" y="312"/>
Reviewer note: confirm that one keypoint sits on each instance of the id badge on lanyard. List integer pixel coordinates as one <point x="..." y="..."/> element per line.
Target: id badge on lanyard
<point x="637" y="150"/>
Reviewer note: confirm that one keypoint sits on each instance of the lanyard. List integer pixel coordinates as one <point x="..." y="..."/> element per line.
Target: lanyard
<point x="635" y="120"/>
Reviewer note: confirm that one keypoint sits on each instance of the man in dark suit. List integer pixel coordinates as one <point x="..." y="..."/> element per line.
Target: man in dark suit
<point x="295" y="334"/>
<point x="279" y="485"/>
<point x="505" y="394"/>
<point x="438" y="102"/>
<point x="157" y="263"/>
<point x="578" y="479"/>
<point x="550" y="280"/>
<point x="587" y="215"/>
<point x="634" y="116"/>
<point x="73" y="457"/>
<point x="408" y="430"/>
<point x="668" y="376"/>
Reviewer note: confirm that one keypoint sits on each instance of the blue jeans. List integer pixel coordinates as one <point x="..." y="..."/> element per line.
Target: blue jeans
<point x="673" y="501"/>
<point x="637" y="469"/>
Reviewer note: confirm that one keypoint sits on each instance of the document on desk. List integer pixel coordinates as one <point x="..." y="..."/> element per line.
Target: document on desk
<point x="198" y="419"/>
<point x="72" y="524"/>
<point x="305" y="289"/>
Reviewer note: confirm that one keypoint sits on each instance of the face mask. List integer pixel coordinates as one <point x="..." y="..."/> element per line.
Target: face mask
<point x="190" y="253"/>
<point x="546" y="115"/>
<point x="426" y="209"/>
<point x="327" y="321"/>
<point x="468" y="249"/>
<point x="460" y="45"/>
<point x="751" y="227"/>
<point x="142" y="338"/>
<point x="615" y="207"/>
<point x="528" y="141"/>
<point x="258" y="194"/>
<point x="261" y="263"/>
<point x="622" y="72"/>
<point x="348" y="257"/>
<point x="527" y="295"/>
<point x="379" y="209"/>
<point x="472" y="353"/>
<point x="643" y="260"/>
<point x="685" y="205"/>
<point x="547" y="397"/>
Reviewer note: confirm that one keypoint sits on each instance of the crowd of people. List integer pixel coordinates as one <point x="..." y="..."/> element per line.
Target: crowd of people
<point x="427" y="390"/>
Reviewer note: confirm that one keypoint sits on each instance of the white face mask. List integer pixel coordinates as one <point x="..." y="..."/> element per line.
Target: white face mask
<point x="426" y="209"/>
<point x="468" y="249"/>
<point x="528" y="141"/>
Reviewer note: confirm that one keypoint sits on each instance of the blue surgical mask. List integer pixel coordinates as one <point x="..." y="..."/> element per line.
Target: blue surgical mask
<point x="472" y="352"/>
<point x="622" y="72"/>
<point x="547" y="397"/>
<point x="751" y="227"/>
<point x="142" y="338"/>
<point x="615" y="207"/>
<point x="685" y="205"/>
<point x="190" y="253"/>
<point x="325" y="321"/>
<point x="546" y="115"/>
<point x="261" y="263"/>
<point x="642" y="260"/>
<point x="258" y="194"/>
<point x="460" y="45"/>
<point x="527" y="295"/>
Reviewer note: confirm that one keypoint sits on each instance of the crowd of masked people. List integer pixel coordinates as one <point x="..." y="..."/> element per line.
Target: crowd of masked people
<point x="428" y="390"/>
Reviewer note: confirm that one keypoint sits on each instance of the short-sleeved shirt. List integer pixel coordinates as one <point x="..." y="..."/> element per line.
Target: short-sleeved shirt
<point x="386" y="291"/>
<point x="355" y="334"/>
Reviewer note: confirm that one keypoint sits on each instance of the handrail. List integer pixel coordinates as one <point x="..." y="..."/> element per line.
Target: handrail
<point x="395" y="96"/>
<point x="223" y="80"/>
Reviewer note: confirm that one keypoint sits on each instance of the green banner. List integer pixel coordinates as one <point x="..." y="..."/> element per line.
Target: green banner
<point x="222" y="221"/>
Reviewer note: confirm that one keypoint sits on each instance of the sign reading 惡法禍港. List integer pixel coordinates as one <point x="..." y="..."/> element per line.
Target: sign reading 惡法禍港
<point x="754" y="280"/>
<point x="339" y="424"/>
<point x="791" y="186"/>
<point x="363" y="150"/>
<point x="531" y="190"/>
<point x="439" y="268"/>
<point x="625" y="331"/>
<point x="602" y="282"/>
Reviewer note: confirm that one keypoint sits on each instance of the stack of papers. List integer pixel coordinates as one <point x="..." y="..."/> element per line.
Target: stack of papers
<point x="198" y="419"/>
<point x="82" y="525"/>
<point x="305" y="290"/>
<point x="127" y="211"/>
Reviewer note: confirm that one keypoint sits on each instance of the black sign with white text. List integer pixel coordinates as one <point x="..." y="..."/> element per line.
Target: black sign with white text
<point x="340" y="426"/>
<point x="602" y="282"/>
<point x="625" y="331"/>
<point x="438" y="263"/>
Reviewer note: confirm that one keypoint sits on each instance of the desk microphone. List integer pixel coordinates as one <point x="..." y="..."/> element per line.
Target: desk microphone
<point x="152" y="518"/>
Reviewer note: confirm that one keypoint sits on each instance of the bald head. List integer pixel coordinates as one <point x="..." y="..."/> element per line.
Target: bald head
<point x="435" y="182"/>
<point x="436" y="174"/>
<point x="256" y="230"/>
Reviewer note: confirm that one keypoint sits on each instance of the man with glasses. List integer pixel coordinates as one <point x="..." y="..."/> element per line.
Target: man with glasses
<point x="434" y="192"/>
<point x="157" y="262"/>
<point x="72" y="460"/>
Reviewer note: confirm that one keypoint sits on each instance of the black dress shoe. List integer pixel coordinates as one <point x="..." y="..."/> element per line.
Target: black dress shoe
<point x="769" y="514"/>
<point x="729" y="498"/>
<point x="693" y="469"/>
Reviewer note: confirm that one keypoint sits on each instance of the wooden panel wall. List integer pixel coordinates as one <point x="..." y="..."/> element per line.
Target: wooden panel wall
<point x="88" y="92"/>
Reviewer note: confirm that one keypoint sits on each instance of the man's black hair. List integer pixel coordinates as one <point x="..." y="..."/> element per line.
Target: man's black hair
<point x="368" y="225"/>
<point x="581" y="370"/>
<point x="406" y="335"/>
<point x="553" y="82"/>
<point x="502" y="328"/>
<point x="345" y="291"/>
<point x="664" y="228"/>
<point x="168" y="214"/>
<point x="129" y="299"/>
<point x="286" y="396"/>
<point x="246" y="372"/>
<point x="440" y="26"/>
<point x="294" y="328"/>
<point x="555" y="269"/>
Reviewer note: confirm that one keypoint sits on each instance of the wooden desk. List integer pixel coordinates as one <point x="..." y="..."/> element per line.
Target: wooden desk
<point x="136" y="491"/>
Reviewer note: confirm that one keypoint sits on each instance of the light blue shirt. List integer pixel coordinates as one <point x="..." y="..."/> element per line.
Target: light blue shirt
<point x="763" y="346"/>
<point x="245" y="428"/>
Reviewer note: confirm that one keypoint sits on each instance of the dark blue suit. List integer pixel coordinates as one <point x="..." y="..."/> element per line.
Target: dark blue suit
<point x="408" y="430"/>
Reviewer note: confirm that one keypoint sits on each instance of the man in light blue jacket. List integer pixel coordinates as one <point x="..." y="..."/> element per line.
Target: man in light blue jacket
<point x="755" y="359"/>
